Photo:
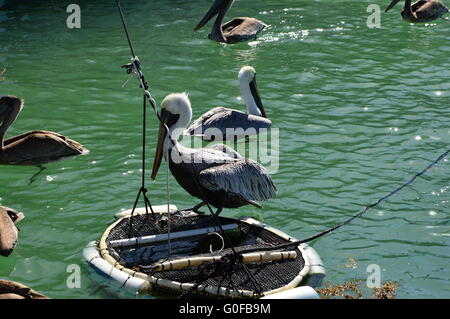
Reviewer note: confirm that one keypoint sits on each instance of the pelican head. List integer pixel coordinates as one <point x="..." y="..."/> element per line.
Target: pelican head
<point x="219" y="7"/>
<point x="176" y="113"/>
<point x="9" y="102"/>
<point x="392" y="4"/>
<point x="247" y="79"/>
<point x="13" y="214"/>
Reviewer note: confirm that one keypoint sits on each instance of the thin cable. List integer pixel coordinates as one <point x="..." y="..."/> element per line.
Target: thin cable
<point x="168" y="206"/>
<point x="329" y="230"/>
<point x="134" y="67"/>
<point x="125" y="28"/>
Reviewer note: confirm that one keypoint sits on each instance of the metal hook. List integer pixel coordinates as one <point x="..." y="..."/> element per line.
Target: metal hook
<point x="221" y="238"/>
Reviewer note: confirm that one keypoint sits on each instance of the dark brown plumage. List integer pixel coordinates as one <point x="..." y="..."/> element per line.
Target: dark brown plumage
<point x="14" y="290"/>
<point x="236" y="30"/>
<point x="35" y="147"/>
<point x="421" y="11"/>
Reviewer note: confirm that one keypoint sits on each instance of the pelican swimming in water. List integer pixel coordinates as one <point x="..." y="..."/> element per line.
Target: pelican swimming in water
<point x="233" y="124"/>
<point x="238" y="29"/>
<point x="217" y="175"/>
<point x="15" y="290"/>
<point x="34" y="147"/>
<point x="421" y="11"/>
<point x="8" y="231"/>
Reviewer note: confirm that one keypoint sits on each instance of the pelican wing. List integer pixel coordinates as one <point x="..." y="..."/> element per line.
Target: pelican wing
<point x="431" y="10"/>
<point x="242" y="29"/>
<point x="224" y="149"/>
<point x="24" y="135"/>
<point x="228" y="124"/>
<point x="416" y="5"/>
<point x="40" y="146"/>
<point x="15" y="290"/>
<point x="246" y="179"/>
<point x="211" y="115"/>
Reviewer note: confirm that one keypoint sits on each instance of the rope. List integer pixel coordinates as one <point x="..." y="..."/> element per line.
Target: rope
<point x="134" y="67"/>
<point x="329" y="230"/>
<point x="168" y="208"/>
<point x="225" y="265"/>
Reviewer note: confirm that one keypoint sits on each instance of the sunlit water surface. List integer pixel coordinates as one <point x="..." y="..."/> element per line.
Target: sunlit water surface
<point x="359" y="112"/>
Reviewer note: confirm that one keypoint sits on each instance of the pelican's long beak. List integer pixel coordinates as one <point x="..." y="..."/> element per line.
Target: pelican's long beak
<point x="217" y="7"/>
<point x="159" y="145"/>
<point x="17" y="217"/>
<point x="393" y="3"/>
<point x="168" y="119"/>
<point x="255" y="94"/>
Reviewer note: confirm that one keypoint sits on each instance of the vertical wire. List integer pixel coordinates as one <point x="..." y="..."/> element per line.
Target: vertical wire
<point x="168" y="203"/>
<point x="144" y="116"/>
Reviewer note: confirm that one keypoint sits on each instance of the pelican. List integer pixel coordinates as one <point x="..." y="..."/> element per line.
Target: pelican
<point x="217" y="175"/>
<point x="233" y="124"/>
<point x="238" y="29"/>
<point x="421" y="11"/>
<point x="8" y="230"/>
<point x="15" y="290"/>
<point x="34" y="147"/>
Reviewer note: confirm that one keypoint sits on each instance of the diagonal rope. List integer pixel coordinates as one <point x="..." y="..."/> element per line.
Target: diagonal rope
<point x="376" y="203"/>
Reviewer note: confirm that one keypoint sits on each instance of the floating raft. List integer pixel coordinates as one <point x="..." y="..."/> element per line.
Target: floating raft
<point x="133" y="254"/>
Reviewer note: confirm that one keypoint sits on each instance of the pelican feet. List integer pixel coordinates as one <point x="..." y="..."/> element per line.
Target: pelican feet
<point x="195" y="209"/>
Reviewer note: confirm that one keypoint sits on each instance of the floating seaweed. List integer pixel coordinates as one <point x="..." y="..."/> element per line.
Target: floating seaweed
<point x="348" y="290"/>
<point x="387" y="291"/>
<point x="3" y="72"/>
<point x="351" y="290"/>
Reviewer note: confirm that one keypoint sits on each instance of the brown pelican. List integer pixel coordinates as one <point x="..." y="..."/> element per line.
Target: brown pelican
<point x="238" y="29"/>
<point x="218" y="175"/>
<point x="34" y="147"/>
<point x="8" y="230"/>
<point x="421" y="11"/>
<point x="14" y="290"/>
<point x="232" y="124"/>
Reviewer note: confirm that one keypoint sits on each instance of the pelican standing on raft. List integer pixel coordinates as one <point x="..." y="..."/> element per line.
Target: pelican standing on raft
<point x="225" y="122"/>
<point x="217" y="175"/>
<point x="421" y="11"/>
<point x="8" y="231"/>
<point x="34" y="147"/>
<point x="236" y="30"/>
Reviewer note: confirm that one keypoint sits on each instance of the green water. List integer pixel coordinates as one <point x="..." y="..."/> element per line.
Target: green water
<point x="359" y="111"/>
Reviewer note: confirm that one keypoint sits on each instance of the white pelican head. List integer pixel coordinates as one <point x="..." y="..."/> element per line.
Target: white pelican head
<point x="177" y="105"/>
<point x="176" y="113"/>
<point x="249" y="91"/>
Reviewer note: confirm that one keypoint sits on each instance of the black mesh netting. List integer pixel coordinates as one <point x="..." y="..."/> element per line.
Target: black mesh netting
<point x="266" y="275"/>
